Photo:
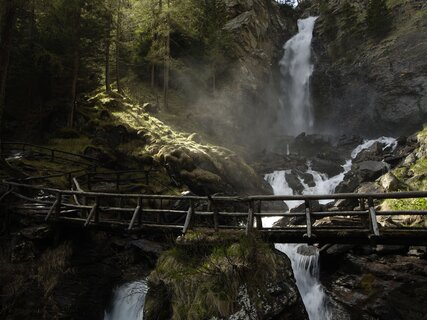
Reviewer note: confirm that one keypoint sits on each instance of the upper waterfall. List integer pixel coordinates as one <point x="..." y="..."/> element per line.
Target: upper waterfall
<point x="296" y="69"/>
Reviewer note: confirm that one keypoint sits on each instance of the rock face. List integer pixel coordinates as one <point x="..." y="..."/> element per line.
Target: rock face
<point x="367" y="85"/>
<point x="376" y="283"/>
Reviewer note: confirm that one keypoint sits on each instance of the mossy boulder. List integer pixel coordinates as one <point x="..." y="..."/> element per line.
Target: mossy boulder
<point x="223" y="277"/>
<point x="202" y="167"/>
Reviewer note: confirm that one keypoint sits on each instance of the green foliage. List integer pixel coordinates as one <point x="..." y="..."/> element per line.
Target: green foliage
<point x="378" y="18"/>
<point x="407" y="204"/>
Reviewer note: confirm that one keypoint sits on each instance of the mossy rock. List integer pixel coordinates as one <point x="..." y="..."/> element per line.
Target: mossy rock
<point x="241" y="278"/>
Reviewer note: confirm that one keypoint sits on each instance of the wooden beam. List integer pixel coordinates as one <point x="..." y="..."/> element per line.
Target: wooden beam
<point x="373" y="217"/>
<point x="135" y="215"/>
<point x="92" y="212"/>
<point x="308" y="218"/>
<point x="190" y="213"/>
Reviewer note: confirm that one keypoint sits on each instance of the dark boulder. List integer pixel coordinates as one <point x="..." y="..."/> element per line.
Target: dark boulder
<point x="331" y="168"/>
<point x="294" y="182"/>
<point x="370" y="170"/>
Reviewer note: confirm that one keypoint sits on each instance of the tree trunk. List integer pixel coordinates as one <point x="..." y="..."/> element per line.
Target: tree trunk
<point x="107" y="53"/>
<point x="76" y="66"/>
<point x="8" y="22"/>
<point x="118" y="44"/>
<point x="166" y="63"/>
<point x="8" y="18"/>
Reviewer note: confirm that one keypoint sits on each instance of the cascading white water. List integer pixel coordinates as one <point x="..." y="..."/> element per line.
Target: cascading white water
<point x="388" y="142"/>
<point x="128" y="303"/>
<point x="296" y="69"/>
<point x="306" y="265"/>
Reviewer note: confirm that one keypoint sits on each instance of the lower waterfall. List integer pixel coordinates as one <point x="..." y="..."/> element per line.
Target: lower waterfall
<point x="128" y="302"/>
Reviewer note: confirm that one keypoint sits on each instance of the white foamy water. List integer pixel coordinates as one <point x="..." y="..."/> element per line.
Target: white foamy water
<point x="306" y="266"/>
<point x="128" y="303"/>
<point x="296" y="69"/>
<point x="306" y="272"/>
<point x="387" y="141"/>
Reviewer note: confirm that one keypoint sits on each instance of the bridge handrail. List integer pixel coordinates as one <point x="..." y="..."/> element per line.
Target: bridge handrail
<point x="25" y="144"/>
<point x="337" y="196"/>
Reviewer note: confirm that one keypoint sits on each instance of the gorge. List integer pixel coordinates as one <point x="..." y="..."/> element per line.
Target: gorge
<point x="119" y="102"/>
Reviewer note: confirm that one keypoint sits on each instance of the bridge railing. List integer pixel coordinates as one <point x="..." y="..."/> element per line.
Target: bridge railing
<point x="52" y="154"/>
<point x="181" y="213"/>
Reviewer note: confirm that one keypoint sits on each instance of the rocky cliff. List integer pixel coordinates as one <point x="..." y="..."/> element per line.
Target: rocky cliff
<point x="369" y="84"/>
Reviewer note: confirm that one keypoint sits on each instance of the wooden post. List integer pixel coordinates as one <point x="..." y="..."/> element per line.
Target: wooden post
<point x="308" y="218"/>
<point x="92" y="212"/>
<point x="250" y="223"/>
<point x="364" y="219"/>
<point x="373" y="217"/>
<point x="258" y="218"/>
<point x="140" y="212"/>
<point x="190" y="213"/>
<point x="136" y="214"/>
<point x="213" y="208"/>
<point x="56" y="206"/>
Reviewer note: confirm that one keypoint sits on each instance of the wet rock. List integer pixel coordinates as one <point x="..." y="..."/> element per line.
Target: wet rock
<point x="370" y="170"/>
<point x="370" y="187"/>
<point x="409" y="160"/>
<point x="346" y="204"/>
<point x="331" y="168"/>
<point x="307" y="250"/>
<point x="147" y="246"/>
<point x="389" y="182"/>
<point x="350" y="183"/>
<point x="373" y="153"/>
<point x="294" y="182"/>
<point x="386" y="286"/>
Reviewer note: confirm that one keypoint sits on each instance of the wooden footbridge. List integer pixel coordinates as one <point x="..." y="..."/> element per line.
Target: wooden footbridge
<point x="170" y="214"/>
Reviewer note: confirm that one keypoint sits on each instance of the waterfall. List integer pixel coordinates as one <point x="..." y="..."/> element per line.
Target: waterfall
<point x="305" y="265"/>
<point x="305" y="259"/>
<point x="128" y="302"/>
<point x="296" y="69"/>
